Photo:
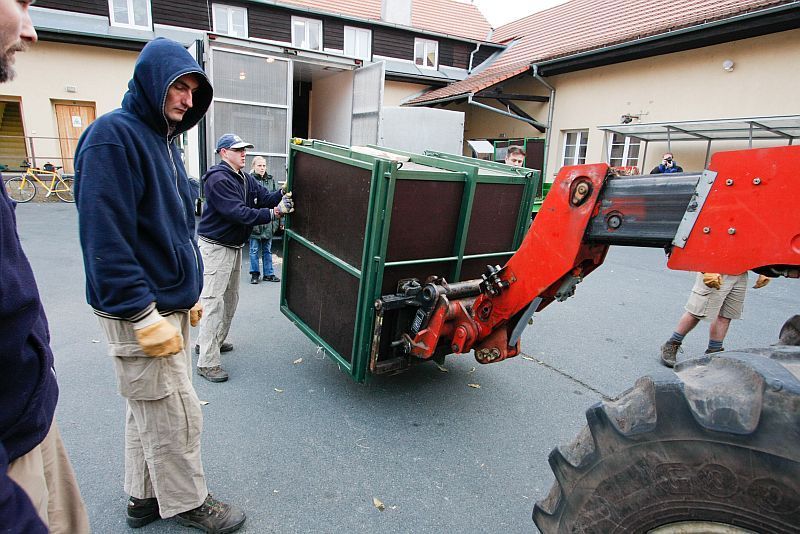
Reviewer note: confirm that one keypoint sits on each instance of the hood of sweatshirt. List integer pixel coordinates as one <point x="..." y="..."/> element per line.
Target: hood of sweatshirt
<point x="161" y="62"/>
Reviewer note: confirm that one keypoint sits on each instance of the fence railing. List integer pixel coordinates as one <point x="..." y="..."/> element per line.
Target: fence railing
<point x="39" y="150"/>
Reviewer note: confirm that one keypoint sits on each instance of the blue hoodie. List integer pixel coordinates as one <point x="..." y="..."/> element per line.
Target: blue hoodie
<point x="135" y="203"/>
<point x="235" y="202"/>
<point x="28" y="389"/>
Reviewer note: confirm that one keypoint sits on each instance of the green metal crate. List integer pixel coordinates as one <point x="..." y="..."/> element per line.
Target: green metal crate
<point x="364" y="222"/>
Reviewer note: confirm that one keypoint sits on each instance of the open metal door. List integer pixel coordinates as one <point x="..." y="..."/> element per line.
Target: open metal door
<point x="253" y="99"/>
<point x="367" y="102"/>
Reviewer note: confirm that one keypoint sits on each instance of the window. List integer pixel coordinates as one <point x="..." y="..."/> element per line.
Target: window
<point x="624" y="151"/>
<point x="229" y="20"/>
<point x="307" y="33"/>
<point x="575" y="147"/>
<point x="130" y="13"/>
<point x="358" y="43"/>
<point x="426" y="53"/>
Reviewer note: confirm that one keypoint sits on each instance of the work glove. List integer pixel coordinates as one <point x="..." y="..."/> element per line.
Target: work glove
<point x="160" y="339"/>
<point x="196" y="313"/>
<point x="286" y="205"/>
<point x="712" y="280"/>
<point x="761" y="281"/>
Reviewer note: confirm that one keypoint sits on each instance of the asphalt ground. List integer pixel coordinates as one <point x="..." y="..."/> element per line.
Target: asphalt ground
<point x="303" y="449"/>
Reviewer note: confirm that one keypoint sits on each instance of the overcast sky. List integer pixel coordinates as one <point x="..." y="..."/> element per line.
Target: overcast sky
<point x="499" y="12"/>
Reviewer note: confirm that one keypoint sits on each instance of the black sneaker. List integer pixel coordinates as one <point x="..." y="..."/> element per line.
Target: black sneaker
<point x="271" y="278"/>
<point x="254" y="278"/>
<point x="142" y="512"/>
<point x="225" y="347"/>
<point x="213" y="517"/>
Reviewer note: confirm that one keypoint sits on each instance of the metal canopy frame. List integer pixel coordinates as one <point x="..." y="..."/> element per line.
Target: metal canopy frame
<point x="771" y="128"/>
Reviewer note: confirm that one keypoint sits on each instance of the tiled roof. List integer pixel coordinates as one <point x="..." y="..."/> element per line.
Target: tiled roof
<point x="583" y="25"/>
<point x="450" y="17"/>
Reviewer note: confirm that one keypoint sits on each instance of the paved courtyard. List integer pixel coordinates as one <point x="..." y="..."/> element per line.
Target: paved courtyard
<point x="303" y="449"/>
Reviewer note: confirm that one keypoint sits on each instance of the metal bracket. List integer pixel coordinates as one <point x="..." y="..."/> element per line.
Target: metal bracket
<point x="689" y="219"/>
<point x="523" y="321"/>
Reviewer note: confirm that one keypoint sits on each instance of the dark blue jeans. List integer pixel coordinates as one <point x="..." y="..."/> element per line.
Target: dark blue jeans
<point x="265" y="245"/>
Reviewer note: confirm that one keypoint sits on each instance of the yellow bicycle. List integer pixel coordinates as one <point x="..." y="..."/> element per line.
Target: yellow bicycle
<point x="23" y="188"/>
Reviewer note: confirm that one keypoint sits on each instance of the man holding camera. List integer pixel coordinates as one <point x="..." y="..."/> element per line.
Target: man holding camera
<point x="667" y="166"/>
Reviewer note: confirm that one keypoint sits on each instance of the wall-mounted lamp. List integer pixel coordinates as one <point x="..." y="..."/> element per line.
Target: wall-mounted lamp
<point x="629" y="118"/>
<point x="243" y="75"/>
<point x="727" y="65"/>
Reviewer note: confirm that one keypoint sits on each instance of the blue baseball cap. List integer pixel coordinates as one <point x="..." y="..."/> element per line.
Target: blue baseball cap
<point x="232" y="141"/>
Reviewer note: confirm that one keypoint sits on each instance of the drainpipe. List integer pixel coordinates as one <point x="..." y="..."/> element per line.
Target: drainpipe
<point x="549" y="125"/>
<point x="471" y="57"/>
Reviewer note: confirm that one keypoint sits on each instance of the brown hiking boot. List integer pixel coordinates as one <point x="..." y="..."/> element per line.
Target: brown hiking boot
<point x="142" y="512"/>
<point x="213" y="517"/>
<point x="669" y="353"/>
<point x="213" y="374"/>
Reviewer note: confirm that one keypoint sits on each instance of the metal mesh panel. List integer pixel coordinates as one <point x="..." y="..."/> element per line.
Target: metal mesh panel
<point x="264" y="127"/>
<point x="250" y="78"/>
<point x="367" y="101"/>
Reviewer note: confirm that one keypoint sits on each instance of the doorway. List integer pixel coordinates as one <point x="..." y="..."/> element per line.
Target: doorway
<point x="73" y="118"/>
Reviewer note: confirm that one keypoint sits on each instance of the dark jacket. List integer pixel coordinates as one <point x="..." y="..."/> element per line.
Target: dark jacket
<point x="235" y="202"/>
<point x="265" y="231"/>
<point x="28" y="389"/>
<point x="663" y="169"/>
<point x="135" y="203"/>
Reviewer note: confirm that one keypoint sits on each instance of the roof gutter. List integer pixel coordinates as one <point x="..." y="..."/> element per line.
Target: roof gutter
<point x="714" y="32"/>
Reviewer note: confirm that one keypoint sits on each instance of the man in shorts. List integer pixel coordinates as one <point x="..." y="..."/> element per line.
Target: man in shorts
<point x="716" y="297"/>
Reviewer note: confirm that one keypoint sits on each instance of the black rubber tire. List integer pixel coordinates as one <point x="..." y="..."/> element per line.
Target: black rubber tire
<point x="19" y="191"/>
<point x="720" y="443"/>
<point x="66" y="196"/>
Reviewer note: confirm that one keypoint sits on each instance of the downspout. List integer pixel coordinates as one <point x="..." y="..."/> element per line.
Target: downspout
<point x="471" y="57"/>
<point x="549" y="126"/>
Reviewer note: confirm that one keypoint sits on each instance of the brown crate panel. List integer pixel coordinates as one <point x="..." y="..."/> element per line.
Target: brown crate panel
<point x="424" y="219"/>
<point x="332" y="200"/>
<point x="324" y="296"/>
<point x="495" y="212"/>
<point x="472" y="269"/>
<point x="392" y="275"/>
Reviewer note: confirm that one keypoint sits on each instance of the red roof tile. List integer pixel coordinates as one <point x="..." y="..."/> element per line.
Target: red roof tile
<point x="450" y="17"/>
<point x="582" y="25"/>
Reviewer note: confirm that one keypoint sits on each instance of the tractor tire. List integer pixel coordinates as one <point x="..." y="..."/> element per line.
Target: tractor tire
<point x="718" y="443"/>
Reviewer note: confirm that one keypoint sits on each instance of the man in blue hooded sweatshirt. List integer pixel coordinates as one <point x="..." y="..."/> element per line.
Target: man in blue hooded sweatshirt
<point x="38" y="490"/>
<point x="144" y="275"/>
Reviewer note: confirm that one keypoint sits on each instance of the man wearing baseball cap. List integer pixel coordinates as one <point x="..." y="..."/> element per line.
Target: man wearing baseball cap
<point x="235" y="202"/>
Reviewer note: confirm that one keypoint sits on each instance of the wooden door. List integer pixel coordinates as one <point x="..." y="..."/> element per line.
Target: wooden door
<point x="73" y="118"/>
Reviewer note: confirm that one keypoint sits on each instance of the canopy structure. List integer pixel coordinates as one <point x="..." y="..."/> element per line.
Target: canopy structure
<point x="775" y="128"/>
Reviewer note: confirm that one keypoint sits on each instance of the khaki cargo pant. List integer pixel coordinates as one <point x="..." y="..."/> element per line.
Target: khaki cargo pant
<point x="46" y="475"/>
<point x="222" y="268"/>
<point x="727" y="301"/>
<point x="163" y="421"/>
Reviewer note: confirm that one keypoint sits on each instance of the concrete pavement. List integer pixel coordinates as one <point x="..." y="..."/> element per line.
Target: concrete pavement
<point x="303" y="449"/>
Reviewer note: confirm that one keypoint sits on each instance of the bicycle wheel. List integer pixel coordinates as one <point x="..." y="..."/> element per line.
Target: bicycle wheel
<point x="64" y="189"/>
<point x="20" y="190"/>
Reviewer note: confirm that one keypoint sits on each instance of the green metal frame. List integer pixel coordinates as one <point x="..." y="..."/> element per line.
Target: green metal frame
<point x="383" y="183"/>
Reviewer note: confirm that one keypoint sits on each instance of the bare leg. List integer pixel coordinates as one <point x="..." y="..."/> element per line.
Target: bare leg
<point x="719" y="328"/>
<point x="687" y="322"/>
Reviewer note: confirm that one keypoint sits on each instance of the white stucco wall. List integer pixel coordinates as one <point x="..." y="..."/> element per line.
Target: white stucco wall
<point x="690" y="85"/>
<point x="100" y="76"/>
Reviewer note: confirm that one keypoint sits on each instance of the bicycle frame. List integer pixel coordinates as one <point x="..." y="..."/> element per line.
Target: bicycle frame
<point x="57" y="184"/>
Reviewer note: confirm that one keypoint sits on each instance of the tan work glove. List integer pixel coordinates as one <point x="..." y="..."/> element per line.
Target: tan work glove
<point x="160" y="339"/>
<point x="761" y="281"/>
<point x="195" y="314"/>
<point x="712" y="280"/>
<point x="286" y="205"/>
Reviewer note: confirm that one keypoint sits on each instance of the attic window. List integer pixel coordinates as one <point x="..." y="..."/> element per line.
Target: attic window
<point x="307" y="33"/>
<point x="426" y="53"/>
<point x="229" y="20"/>
<point x="130" y="14"/>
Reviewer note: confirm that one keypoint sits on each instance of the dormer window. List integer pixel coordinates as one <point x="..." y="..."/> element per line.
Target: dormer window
<point x="307" y="33"/>
<point x="130" y="14"/>
<point x="426" y="53"/>
<point x="229" y="20"/>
